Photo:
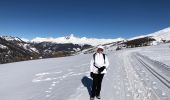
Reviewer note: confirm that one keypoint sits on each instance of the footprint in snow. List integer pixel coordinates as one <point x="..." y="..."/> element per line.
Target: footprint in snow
<point x="153" y="83"/>
<point x="47" y="96"/>
<point x="127" y="95"/>
<point x="163" y="93"/>
<point x="147" y="79"/>
<point x="52" y="84"/>
<point x="50" y="88"/>
<point x="154" y="87"/>
<point x="48" y="91"/>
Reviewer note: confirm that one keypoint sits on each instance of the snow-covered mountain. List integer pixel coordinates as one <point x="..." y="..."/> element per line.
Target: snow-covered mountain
<point x="163" y="34"/>
<point x="14" y="49"/>
<point x="76" y="40"/>
<point x="19" y="42"/>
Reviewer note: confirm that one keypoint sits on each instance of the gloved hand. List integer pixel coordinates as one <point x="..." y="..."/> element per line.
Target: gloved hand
<point x="101" y="69"/>
<point x="91" y="74"/>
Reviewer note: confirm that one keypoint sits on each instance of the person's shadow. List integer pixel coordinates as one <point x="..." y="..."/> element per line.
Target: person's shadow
<point x="87" y="82"/>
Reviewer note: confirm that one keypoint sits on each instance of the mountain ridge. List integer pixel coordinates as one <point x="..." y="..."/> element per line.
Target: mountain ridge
<point x="163" y="34"/>
<point x="76" y="40"/>
<point x="16" y="49"/>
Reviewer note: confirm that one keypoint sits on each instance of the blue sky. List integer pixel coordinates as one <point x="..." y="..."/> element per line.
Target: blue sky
<point x="89" y="18"/>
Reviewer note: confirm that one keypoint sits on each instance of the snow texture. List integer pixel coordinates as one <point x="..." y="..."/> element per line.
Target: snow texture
<point x="134" y="74"/>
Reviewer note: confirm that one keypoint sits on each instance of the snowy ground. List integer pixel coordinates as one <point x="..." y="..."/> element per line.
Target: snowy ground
<point x="133" y="74"/>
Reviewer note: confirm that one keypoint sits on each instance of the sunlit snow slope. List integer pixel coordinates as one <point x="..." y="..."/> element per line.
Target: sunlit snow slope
<point x="132" y="75"/>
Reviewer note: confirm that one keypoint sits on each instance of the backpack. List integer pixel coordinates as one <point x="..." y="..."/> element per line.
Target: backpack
<point x="94" y="59"/>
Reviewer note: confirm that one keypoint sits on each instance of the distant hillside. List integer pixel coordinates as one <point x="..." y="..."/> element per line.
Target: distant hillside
<point x="163" y="34"/>
<point x="14" y="49"/>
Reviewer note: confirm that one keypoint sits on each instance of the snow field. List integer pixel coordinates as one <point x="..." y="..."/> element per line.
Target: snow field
<point x="133" y="74"/>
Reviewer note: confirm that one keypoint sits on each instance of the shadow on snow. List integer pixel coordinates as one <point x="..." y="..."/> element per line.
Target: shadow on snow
<point x="87" y="82"/>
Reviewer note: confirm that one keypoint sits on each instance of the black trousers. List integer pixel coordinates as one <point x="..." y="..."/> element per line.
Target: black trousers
<point x="97" y="82"/>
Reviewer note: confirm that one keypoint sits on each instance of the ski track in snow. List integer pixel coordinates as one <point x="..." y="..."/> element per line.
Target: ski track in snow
<point x="132" y="75"/>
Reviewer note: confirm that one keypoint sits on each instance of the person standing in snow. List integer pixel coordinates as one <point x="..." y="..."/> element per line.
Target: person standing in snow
<point x="98" y="67"/>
